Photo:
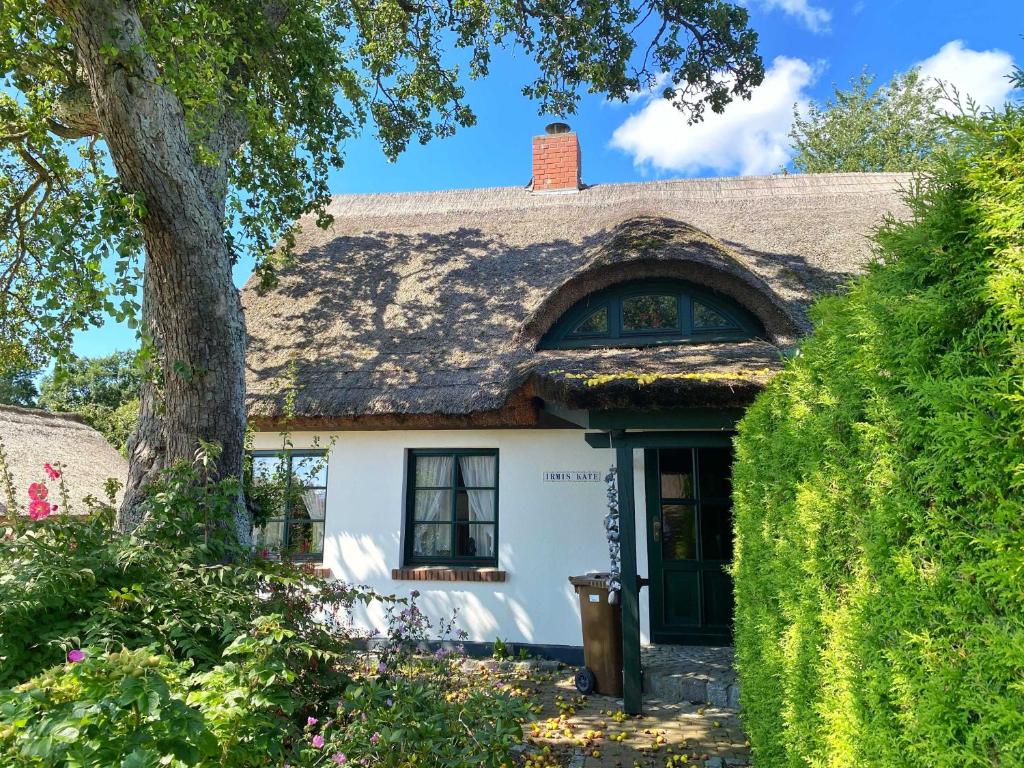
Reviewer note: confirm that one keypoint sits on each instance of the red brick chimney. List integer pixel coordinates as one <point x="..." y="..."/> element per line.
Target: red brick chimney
<point x="556" y="160"/>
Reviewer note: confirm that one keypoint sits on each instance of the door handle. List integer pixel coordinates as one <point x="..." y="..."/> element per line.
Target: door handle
<point x="656" y="533"/>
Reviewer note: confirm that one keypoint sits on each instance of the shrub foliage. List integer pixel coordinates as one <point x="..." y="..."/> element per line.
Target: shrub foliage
<point x="880" y="493"/>
<point x="172" y="648"/>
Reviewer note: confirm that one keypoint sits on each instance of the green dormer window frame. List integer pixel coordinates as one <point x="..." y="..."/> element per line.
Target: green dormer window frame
<point x="646" y="313"/>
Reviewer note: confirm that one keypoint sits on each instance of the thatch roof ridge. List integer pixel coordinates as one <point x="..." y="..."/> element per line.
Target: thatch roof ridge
<point x="31" y="414"/>
<point x="480" y="199"/>
<point x="433" y="302"/>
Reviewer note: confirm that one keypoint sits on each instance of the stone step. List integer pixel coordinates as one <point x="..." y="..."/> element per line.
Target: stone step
<point x="695" y="674"/>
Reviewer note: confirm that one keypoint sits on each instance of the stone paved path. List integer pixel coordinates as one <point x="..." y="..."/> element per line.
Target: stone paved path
<point x="592" y="732"/>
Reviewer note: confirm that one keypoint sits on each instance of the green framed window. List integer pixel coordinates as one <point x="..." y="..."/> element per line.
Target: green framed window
<point x="652" y="312"/>
<point x="451" y="510"/>
<point x="291" y="490"/>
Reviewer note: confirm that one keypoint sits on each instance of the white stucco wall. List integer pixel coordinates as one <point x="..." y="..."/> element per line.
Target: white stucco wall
<point x="547" y="531"/>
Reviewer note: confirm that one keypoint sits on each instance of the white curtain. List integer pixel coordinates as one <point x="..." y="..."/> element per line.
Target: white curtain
<point x="479" y="471"/>
<point x="315" y="502"/>
<point x="432" y="505"/>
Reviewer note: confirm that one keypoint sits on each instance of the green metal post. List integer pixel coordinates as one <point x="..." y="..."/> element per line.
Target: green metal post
<point x="632" y="690"/>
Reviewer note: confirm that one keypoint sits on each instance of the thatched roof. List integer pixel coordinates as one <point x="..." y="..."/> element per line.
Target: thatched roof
<point x="421" y="304"/>
<point x="33" y="438"/>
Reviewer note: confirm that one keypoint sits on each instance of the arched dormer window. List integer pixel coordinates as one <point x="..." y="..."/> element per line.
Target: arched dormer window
<point x="650" y="313"/>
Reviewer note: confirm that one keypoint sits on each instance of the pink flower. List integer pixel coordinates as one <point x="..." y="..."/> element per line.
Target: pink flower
<point x="339" y="758"/>
<point x="39" y="509"/>
<point x="311" y="721"/>
<point x="37" y="492"/>
<point x="375" y="739"/>
<point x="75" y="656"/>
<point x="318" y="741"/>
<point x="51" y="473"/>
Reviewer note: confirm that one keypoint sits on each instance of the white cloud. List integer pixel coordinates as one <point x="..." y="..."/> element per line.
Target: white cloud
<point x="981" y="74"/>
<point x="815" y="18"/>
<point x="750" y="137"/>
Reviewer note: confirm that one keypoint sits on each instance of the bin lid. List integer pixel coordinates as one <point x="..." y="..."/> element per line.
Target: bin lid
<point x="590" y="580"/>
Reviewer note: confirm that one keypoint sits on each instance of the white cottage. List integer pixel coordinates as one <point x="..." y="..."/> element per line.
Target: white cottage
<point x="473" y="362"/>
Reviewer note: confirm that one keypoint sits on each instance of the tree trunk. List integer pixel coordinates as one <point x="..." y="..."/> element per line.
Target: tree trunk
<point x="189" y="298"/>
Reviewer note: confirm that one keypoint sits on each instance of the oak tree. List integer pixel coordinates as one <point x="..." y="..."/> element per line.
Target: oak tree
<point x="160" y="139"/>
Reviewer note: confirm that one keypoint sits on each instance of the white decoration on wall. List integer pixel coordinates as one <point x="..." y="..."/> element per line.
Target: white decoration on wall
<point x="611" y="528"/>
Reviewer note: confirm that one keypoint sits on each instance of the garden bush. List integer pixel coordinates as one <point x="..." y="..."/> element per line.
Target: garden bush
<point x="171" y="647"/>
<point x="879" y="493"/>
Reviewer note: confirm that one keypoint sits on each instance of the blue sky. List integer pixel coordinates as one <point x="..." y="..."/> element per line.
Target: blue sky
<point x="807" y="45"/>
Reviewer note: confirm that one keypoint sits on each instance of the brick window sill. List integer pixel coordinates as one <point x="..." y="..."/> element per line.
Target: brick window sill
<point x="315" y="567"/>
<point x="447" y="573"/>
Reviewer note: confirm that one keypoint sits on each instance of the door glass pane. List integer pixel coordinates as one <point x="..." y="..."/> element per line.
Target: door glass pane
<point x="596" y="322"/>
<point x="715" y="474"/>
<point x="432" y="506"/>
<point x="676" y="473"/>
<point x="678" y="532"/>
<point x="434" y="471"/>
<point x="715" y="532"/>
<point x="650" y="313"/>
<point x="474" y="540"/>
<point x="432" y="540"/>
<point x="706" y="318"/>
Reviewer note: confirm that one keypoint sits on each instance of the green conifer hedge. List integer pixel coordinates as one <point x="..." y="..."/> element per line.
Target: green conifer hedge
<point x="879" y="494"/>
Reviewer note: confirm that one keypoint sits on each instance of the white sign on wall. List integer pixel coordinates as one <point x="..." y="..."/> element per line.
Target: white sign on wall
<point x="573" y="476"/>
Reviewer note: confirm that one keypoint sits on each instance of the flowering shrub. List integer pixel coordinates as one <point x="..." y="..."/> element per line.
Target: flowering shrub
<point x="170" y="647"/>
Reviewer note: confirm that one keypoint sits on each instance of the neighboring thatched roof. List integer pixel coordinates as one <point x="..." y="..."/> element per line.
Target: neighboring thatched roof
<point x="433" y="303"/>
<point x="33" y="438"/>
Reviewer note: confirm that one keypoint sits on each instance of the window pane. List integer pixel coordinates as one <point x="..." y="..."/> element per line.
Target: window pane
<point x="650" y="313"/>
<point x="477" y="471"/>
<point x="309" y="470"/>
<point x="474" y="540"/>
<point x="266" y="469"/>
<point x="270" y="480"/>
<point x="432" y="506"/>
<point x="715" y="532"/>
<point x="676" y="473"/>
<point x="596" y="322"/>
<point x="474" y="506"/>
<point x="434" y="471"/>
<point x="678" y="532"/>
<point x="704" y="317"/>
<point x="431" y="540"/>
<point x="305" y="538"/>
<point x="311" y="504"/>
<point x="270" y="537"/>
<point x="715" y="473"/>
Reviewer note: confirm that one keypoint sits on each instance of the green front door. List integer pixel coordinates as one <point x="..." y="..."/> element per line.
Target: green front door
<point x="689" y="540"/>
